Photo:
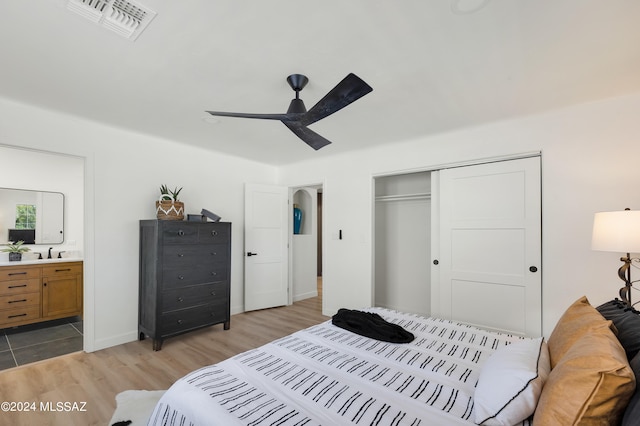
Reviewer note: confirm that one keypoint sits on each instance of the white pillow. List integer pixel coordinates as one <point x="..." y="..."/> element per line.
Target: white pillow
<point x="510" y="383"/>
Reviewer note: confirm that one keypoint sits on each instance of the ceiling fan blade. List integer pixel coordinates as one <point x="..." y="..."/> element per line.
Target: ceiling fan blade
<point x="349" y="90"/>
<point x="309" y="137"/>
<point x="262" y="116"/>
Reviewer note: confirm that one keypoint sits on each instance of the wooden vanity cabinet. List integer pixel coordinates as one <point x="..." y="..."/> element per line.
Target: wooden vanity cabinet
<point x="61" y="290"/>
<point x="19" y="295"/>
<point x="39" y="292"/>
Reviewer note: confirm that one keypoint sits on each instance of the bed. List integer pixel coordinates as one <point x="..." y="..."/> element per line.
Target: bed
<point x="450" y="374"/>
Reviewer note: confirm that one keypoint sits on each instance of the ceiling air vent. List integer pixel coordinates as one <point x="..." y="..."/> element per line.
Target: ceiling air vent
<point x="120" y="16"/>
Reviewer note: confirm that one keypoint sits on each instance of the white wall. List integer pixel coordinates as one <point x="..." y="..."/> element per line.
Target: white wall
<point x="123" y="171"/>
<point x="590" y="159"/>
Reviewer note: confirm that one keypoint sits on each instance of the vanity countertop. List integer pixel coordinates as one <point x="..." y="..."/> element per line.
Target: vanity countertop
<point x="39" y="261"/>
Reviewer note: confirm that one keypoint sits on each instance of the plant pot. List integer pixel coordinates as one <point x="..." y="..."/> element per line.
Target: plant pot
<point x="15" y="256"/>
<point x="169" y="210"/>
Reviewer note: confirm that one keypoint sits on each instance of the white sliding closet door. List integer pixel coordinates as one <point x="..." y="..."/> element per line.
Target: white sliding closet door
<point x="489" y="255"/>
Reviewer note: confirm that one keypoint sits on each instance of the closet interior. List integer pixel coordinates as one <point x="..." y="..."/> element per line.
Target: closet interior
<point x="402" y="242"/>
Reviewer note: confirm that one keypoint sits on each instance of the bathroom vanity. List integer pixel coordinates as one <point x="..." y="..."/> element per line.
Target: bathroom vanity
<point x="40" y="290"/>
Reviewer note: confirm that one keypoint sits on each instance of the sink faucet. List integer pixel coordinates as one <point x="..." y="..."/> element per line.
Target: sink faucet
<point x="49" y="255"/>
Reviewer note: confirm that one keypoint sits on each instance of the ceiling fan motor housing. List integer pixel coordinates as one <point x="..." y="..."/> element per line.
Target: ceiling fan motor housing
<point x="296" y="105"/>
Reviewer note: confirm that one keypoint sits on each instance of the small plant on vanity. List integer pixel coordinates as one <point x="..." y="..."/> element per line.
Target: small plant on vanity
<point x="15" y="250"/>
<point x="168" y="207"/>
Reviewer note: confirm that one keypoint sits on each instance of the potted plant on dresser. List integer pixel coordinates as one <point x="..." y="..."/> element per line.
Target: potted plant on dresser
<point x="15" y="250"/>
<point x="168" y="207"/>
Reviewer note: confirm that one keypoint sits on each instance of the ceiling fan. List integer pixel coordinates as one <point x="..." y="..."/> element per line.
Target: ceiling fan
<point x="297" y="118"/>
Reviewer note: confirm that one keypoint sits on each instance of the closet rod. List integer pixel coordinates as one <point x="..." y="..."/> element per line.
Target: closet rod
<point x="404" y="197"/>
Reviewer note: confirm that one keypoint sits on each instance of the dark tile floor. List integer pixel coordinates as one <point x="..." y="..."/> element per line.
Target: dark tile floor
<point x="35" y="342"/>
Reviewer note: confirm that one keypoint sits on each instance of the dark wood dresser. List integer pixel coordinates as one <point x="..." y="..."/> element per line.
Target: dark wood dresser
<point x="184" y="277"/>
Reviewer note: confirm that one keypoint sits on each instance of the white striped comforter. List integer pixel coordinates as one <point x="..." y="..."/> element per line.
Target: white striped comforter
<point x="327" y="375"/>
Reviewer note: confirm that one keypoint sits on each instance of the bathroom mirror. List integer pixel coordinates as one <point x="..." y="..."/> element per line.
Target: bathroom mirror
<point x="35" y="217"/>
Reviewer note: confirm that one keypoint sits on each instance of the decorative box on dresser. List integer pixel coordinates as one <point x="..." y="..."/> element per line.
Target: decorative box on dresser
<point x="184" y="277"/>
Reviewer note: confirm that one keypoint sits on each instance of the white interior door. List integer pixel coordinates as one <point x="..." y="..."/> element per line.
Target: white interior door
<point x="266" y="222"/>
<point x="490" y="245"/>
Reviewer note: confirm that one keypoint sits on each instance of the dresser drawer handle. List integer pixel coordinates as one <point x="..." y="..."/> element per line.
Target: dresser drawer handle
<point x="16" y="316"/>
<point x="213" y="293"/>
<point x="17" y="273"/>
<point x="63" y="270"/>
<point x="17" y="301"/>
<point x="17" y="286"/>
<point x="214" y="273"/>
<point x="180" y="277"/>
<point x="213" y="253"/>
<point x="180" y="255"/>
<point x="181" y="233"/>
<point x="214" y="233"/>
<point x="179" y="321"/>
<point x="180" y="299"/>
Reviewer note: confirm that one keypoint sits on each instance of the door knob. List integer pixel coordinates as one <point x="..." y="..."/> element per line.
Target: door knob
<point x="533" y="269"/>
<point x="251" y="254"/>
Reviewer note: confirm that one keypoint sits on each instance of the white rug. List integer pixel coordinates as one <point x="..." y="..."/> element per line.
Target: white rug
<point x="136" y="406"/>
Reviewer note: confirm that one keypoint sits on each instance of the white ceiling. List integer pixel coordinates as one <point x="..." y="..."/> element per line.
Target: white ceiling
<point x="434" y="65"/>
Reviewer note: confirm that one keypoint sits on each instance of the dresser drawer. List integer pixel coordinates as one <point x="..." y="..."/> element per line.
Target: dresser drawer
<point x="10" y="316"/>
<point x="19" y="273"/>
<point x="179" y="233"/>
<point x="192" y="255"/>
<point x="200" y="274"/>
<point x="19" y="300"/>
<point x="190" y="296"/>
<point x="219" y="233"/>
<point x="62" y="269"/>
<point x="20" y="286"/>
<point x="186" y="319"/>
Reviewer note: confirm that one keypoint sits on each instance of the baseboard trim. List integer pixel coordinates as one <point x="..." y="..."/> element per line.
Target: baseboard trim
<point x="298" y="297"/>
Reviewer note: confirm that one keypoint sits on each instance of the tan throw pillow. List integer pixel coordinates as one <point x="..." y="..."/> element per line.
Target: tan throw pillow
<point x="576" y="321"/>
<point x="590" y="385"/>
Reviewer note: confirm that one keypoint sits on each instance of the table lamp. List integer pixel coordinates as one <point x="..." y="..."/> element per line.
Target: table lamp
<point x="619" y="231"/>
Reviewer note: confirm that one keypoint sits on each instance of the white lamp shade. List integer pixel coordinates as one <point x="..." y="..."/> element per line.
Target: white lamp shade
<point x="617" y="231"/>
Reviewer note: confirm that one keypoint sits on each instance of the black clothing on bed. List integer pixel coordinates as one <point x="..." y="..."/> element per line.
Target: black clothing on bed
<point x="371" y="325"/>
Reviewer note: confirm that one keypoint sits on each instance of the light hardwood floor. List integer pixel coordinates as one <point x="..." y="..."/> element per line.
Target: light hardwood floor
<point x="96" y="378"/>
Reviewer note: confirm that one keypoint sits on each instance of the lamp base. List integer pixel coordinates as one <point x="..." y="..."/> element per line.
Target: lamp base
<point x="625" y="295"/>
<point x="624" y="273"/>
